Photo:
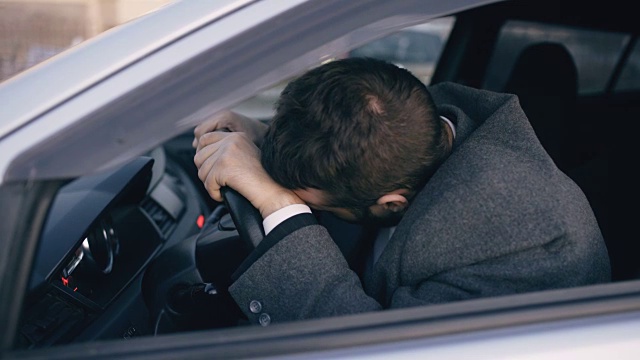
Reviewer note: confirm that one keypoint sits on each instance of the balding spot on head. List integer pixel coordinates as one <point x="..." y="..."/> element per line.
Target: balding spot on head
<point x="375" y="105"/>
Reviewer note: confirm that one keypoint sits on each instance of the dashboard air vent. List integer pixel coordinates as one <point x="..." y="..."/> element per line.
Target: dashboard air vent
<point x="160" y="216"/>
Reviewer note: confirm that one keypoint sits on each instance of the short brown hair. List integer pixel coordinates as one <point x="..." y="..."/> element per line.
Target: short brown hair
<point x="357" y="129"/>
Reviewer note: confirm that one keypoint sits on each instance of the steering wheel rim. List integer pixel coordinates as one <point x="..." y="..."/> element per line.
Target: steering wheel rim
<point x="245" y="216"/>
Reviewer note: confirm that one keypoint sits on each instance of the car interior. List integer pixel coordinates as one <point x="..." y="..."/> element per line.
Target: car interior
<point x="142" y="250"/>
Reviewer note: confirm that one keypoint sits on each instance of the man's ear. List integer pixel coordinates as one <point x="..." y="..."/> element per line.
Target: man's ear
<point x="394" y="202"/>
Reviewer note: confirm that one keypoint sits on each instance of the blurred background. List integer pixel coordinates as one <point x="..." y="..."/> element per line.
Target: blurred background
<point x="32" y="31"/>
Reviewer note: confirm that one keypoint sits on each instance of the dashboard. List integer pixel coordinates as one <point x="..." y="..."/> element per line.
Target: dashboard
<point x="102" y="231"/>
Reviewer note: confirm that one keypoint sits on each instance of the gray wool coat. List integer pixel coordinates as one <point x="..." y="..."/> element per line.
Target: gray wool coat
<point x="497" y="218"/>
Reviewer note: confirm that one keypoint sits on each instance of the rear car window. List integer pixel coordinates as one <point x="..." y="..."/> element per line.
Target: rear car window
<point x="595" y="53"/>
<point x="629" y="79"/>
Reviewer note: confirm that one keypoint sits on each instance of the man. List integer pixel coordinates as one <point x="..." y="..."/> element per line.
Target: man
<point x="467" y="201"/>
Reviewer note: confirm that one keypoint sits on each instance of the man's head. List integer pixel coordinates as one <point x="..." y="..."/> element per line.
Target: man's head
<point x="356" y="135"/>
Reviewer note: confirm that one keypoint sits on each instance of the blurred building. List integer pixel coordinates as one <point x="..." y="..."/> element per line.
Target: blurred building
<point x="33" y="30"/>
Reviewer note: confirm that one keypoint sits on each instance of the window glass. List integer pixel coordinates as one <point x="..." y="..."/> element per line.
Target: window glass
<point x="595" y="52"/>
<point x="416" y="48"/>
<point x="630" y="77"/>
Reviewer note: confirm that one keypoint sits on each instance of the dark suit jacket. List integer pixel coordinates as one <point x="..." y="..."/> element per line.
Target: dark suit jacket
<point x="498" y="217"/>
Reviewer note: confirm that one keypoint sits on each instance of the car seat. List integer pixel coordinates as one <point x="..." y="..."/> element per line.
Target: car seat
<point x="545" y="79"/>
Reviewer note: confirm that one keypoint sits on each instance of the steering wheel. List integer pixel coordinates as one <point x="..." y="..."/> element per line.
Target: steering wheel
<point x="246" y="218"/>
<point x="177" y="295"/>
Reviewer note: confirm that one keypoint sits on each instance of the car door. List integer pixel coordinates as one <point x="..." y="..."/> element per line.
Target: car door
<point x="229" y="53"/>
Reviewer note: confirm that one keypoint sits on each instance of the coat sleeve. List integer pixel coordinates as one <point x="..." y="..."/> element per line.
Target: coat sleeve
<point x="553" y="265"/>
<point x="302" y="276"/>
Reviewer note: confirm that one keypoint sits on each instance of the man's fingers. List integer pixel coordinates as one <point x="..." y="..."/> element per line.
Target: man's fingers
<point x="205" y="167"/>
<point x="225" y="159"/>
<point x="197" y="133"/>
<point x="206" y="174"/>
<point x="208" y="144"/>
<point x="203" y="154"/>
<point x="205" y="127"/>
<point x="210" y="182"/>
<point x="221" y="121"/>
<point x="210" y="138"/>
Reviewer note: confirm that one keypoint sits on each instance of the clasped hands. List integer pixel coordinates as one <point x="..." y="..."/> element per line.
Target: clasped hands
<point x="227" y="154"/>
